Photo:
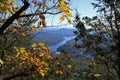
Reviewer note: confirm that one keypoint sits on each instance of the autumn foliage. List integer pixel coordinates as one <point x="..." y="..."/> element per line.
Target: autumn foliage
<point x="38" y="61"/>
<point x="33" y="61"/>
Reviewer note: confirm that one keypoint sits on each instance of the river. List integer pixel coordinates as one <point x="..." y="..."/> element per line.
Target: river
<point x="55" y="47"/>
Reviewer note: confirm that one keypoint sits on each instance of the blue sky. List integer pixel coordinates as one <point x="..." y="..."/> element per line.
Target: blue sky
<point x="84" y="8"/>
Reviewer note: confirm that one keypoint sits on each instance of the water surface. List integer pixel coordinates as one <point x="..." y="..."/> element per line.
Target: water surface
<point x="55" y="47"/>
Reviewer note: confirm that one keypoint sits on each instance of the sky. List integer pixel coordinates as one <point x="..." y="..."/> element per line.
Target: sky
<point x="84" y="8"/>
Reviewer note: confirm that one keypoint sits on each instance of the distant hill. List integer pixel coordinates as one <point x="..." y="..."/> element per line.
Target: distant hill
<point x="70" y="48"/>
<point x="52" y="36"/>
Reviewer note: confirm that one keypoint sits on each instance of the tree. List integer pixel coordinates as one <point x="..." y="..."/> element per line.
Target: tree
<point x="103" y="36"/>
<point x="17" y="19"/>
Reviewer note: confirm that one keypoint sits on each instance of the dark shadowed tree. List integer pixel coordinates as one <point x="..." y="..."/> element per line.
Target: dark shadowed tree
<point x="103" y="38"/>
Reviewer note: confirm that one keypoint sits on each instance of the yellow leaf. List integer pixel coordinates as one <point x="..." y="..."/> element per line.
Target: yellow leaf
<point x="41" y="44"/>
<point x="1" y="5"/>
<point x="58" y="53"/>
<point x="15" y="3"/>
<point x="18" y="53"/>
<point x="10" y="1"/>
<point x="69" y="66"/>
<point x="61" y="2"/>
<point x="15" y="9"/>
<point x="16" y="49"/>
<point x="44" y="63"/>
<point x="49" y="57"/>
<point x="7" y="10"/>
<point x="59" y="8"/>
<point x="65" y="8"/>
<point x="42" y="72"/>
<point x="97" y="75"/>
<point x="41" y="54"/>
<point x="22" y="50"/>
<point x="34" y="45"/>
<point x="1" y="61"/>
<point x="94" y="64"/>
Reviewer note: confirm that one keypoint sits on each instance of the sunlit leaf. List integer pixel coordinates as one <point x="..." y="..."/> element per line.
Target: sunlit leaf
<point x="97" y="75"/>
<point x="41" y="44"/>
<point x="69" y="66"/>
<point x="10" y="1"/>
<point x="61" y="18"/>
<point x="42" y="72"/>
<point x="7" y="11"/>
<point x="1" y="61"/>
<point x="61" y="2"/>
<point x="22" y="49"/>
<point x="18" y="53"/>
<point x="16" y="49"/>
<point x="15" y="3"/>
<point x="58" y="53"/>
<point x="94" y="64"/>
<point x="34" y="45"/>
<point x="67" y="13"/>
<point x="41" y="54"/>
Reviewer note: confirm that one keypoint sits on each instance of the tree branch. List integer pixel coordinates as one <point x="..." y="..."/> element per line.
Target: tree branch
<point x="28" y="15"/>
<point x="13" y="17"/>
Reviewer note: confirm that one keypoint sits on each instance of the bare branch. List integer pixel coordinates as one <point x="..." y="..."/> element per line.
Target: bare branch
<point x="14" y="16"/>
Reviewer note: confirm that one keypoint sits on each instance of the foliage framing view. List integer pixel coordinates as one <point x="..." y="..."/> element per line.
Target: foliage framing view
<point x="18" y="58"/>
<point x="21" y="59"/>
